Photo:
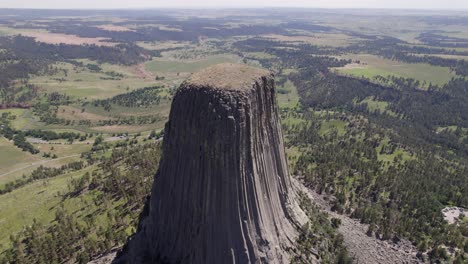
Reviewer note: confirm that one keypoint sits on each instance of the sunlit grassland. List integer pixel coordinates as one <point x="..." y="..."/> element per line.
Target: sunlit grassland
<point x="161" y="45"/>
<point x="292" y="121"/>
<point x="324" y="39"/>
<point x="9" y="31"/>
<point x="40" y="200"/>
<point x="289" y="71"/>
<point x="259" y="55"/>
<point x="390" y="158"/>
<point x="371" y="66"/>
<point x="22" y="117"/>
<point x="37" y="200"/>
<point x="164" y="65"/>
<point x="12" y="158"/>
<point x="15" y="163"/>
<point x="81" y="83"/>
<point x="333" y="124"/>
<point x="97" y="113"/>
<point x="287" y="95"/>
<point x="64" y="149"/>
<point x="374" y="105"/>
<point x="444" y="56"/>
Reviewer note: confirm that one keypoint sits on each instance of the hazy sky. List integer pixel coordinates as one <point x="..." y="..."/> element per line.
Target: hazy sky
<point x="109" y="4"/>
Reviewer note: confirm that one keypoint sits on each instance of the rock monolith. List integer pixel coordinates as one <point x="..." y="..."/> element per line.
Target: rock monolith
<point x="222" y="193"/>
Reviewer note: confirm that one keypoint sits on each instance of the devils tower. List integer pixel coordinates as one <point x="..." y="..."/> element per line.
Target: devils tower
<point x="222" y="193"/>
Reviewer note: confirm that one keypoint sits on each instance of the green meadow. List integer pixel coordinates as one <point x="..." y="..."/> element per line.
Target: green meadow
<point x="371" y="66"/>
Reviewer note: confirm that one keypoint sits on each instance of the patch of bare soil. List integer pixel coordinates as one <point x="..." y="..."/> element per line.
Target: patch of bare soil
<point x="361" y="247"/>
<point x="452" y="214"/>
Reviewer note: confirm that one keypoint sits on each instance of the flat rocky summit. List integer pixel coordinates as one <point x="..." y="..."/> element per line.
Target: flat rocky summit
<point x="227" y="76"/>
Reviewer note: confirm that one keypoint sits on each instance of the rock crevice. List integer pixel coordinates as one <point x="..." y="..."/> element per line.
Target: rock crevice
<point x="222" y="193"/>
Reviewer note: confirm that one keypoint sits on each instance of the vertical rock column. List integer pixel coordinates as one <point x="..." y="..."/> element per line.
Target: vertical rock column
<point x="222" y="193"/>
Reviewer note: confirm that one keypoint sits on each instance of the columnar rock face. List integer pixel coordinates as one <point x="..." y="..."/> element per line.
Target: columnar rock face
<point x="222" y="193"/>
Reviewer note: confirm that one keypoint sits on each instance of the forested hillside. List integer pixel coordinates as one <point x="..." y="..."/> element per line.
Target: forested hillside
<point x="393" y="163"/>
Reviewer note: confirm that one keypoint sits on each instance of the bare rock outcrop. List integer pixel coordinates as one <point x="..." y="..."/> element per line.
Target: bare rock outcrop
<point x="222" y="193"/>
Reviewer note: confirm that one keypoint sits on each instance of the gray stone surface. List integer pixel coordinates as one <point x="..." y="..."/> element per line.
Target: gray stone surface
<point x="222" y="193"/>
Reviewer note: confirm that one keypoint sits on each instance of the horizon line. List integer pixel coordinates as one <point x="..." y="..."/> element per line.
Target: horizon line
<point x="237" y="7"/>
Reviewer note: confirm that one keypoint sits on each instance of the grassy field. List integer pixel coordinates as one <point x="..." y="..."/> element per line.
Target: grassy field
<point x="9" y="31"/>
<point x="15" y="163"/>
<point x="70" y="112"/>
<point x="120" y="111"/>
<point x="371" y="65"/>
<point x="391" y="157"/>
<point x="374" y="105"/>
<point x="127" y="129"/>
<point x="161" y="45"/>
<point x="290" y="121"/>
<point x="319" y="39"/>
<point x="161" y="65"/>
<point x="38" y="201"/>
<point x="259" y="55"/>
<point x="97" y="113"/>
<point x="63" y="150"/>
<point x="328" y="126"/>
<point x="82" y="83"/>
<point x="289" y="71"/>
<point x="79" y="82"/>
<point x="12" y="158"/>
<point x="22" y="117"/>
<point x="289" y="99"/>
<point x="444" y="56"/>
